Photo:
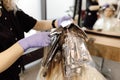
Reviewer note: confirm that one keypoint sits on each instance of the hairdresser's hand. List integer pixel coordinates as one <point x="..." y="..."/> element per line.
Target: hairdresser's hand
<point x="64" y="20"/>
<point x="105" y="6"/>
<point x="40" y="39"/>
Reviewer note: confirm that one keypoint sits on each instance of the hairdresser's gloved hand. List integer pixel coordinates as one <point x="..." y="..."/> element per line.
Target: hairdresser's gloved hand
<point x="40" y="40"/>
<point x="105" y="6"/>
<point x="63" y="21"/>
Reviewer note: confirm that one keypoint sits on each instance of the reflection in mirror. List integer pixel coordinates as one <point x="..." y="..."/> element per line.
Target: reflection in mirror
<point x="98" y="17"/>
<point x="108" y="21"/>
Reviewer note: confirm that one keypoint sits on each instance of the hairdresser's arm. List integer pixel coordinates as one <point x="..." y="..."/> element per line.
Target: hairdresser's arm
<point x="91" y="7"/>
<point x="44" y="25"/>
<point x="47" y="24"/>
<point x="94" y="7"/>
<point x="9" y="56"/>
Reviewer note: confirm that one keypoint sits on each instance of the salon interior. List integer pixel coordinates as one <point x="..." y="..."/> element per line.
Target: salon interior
<point x="103" y="45"/>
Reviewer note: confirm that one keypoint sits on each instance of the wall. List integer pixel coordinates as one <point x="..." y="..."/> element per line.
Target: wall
<point x="58" y="8"/>
<point x="31" y="7"/>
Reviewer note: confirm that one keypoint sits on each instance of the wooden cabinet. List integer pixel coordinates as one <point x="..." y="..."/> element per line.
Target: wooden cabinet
<point x="106" y="46"/>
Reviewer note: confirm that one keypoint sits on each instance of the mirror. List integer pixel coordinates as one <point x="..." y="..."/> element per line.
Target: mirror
<point x="80" y="11"/>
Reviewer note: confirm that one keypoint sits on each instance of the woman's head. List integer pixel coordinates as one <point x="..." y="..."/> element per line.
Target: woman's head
<point x="109" y="11"/>
<point x="9" y="4"/>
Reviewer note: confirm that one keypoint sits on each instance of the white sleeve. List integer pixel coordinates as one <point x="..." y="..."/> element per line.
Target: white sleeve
<point x="98" y="24"/>
<point x="117" y="26"/>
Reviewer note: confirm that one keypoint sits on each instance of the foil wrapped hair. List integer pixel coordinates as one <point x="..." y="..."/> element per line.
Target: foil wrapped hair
<point x="68" y="57"/>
